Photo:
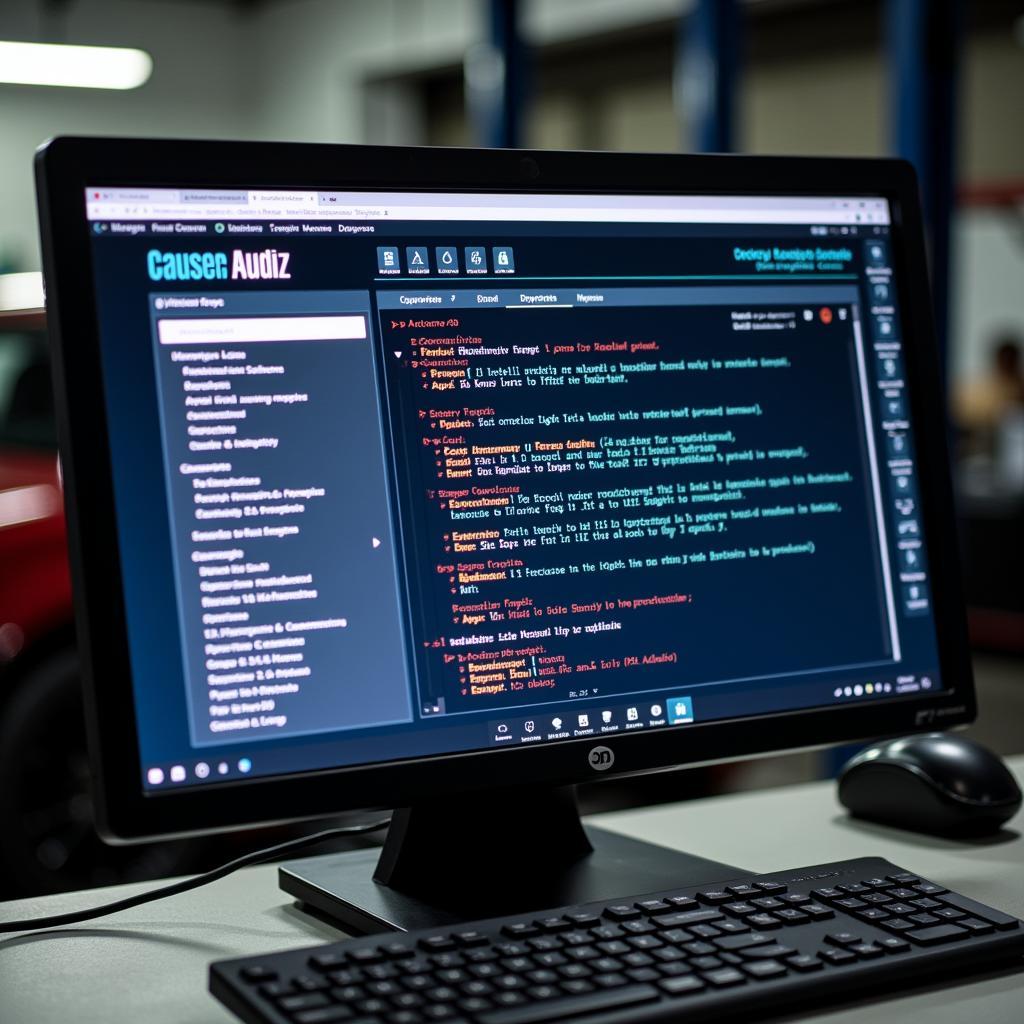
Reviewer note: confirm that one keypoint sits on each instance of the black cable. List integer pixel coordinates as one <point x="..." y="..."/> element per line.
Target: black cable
<point x="256" y="857"/>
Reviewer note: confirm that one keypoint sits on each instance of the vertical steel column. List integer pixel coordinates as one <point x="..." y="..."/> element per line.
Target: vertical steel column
<point x="495" y="78"/>
<point x="924" y="56"/>
<point x="706" y="74"/>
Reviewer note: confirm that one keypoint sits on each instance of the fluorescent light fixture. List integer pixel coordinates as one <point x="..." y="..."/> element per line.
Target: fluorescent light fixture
<point x="21" y="291"/>
<point x="77" y="67"/>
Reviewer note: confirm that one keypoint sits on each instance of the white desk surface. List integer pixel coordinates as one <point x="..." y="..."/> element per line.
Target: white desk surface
<point x="149" y="965"/>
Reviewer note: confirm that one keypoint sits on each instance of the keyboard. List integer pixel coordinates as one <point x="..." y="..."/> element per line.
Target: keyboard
<point x="749" y="946"/>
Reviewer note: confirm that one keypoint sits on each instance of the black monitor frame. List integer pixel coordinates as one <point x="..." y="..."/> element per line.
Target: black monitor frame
<point x="65" y="166"/>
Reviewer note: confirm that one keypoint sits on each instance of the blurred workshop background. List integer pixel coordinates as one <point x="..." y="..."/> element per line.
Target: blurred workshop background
<point x="939" y="82"/>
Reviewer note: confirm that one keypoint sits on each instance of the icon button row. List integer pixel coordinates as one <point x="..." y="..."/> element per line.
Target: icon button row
<point x="445" y="260"/>
<point x="178" y="773"/>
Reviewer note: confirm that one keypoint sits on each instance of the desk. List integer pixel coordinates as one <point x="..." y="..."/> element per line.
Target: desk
<point x="148" y="965"/>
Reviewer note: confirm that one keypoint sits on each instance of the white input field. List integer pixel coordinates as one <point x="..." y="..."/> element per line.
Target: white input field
<point x="243" y="330"/>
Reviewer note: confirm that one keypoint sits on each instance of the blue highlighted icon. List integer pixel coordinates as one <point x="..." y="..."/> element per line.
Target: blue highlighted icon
<point x="680" y="710"/>
<point x="244" y="765"/>
<point x="387" y="260"/>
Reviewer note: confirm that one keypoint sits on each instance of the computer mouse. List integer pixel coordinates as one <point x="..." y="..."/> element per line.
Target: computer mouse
<point x="936" y="782"/>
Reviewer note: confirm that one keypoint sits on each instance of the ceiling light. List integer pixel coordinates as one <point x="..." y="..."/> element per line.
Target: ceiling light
<point x="81" y="67"/>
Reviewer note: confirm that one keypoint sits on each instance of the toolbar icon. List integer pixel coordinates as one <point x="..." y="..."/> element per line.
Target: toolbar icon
<point x="632" y="714"/>
<point x="556" y="724"/>
<point x="504" y="259"/>
<point x="476" y="259"/>
<point x="447" y="257"/>
<point x="657" y="711"/>
<point x="584" y="721"/>
<point x="529" y="726"/>
<point x="606" y="717"/>
<point x="387" y="260"/>
<point x="416" y="259"/>
<point x="680" y="709"/>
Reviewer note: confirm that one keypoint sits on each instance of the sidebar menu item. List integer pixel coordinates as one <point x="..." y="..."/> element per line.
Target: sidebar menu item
<point x="284" y="554"/>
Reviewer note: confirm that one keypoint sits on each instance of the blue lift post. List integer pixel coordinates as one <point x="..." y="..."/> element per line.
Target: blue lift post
<point x="495" y="78"/>
<point x="923" y="42"/>
<point x="706" y="74"/>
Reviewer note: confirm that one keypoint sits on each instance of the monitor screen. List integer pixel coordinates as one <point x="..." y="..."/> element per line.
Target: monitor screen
<point x="400" y="475"/>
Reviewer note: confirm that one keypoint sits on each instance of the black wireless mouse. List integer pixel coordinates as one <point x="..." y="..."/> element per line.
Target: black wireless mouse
<point x="937" y="782"/>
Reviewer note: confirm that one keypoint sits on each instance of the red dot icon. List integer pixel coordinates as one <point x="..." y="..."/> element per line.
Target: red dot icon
<point x="826" y="315"/>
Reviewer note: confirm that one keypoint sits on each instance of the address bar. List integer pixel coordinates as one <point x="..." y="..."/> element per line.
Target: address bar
<point x="241" y="330"/>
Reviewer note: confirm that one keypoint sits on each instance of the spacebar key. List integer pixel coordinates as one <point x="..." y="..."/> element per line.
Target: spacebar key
<point x="553" y="1009"/>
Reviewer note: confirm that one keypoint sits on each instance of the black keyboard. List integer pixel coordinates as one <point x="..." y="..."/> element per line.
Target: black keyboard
<point x="754" y="945"/>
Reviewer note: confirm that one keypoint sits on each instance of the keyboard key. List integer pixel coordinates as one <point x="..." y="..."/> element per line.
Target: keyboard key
<point x="924" y="919"/>
<point x="816" y="912"/>
<point x="258" y="973"/>
<point x="795" y="899"/>
<point x="876" y="898"/>
<point x="876" y="883"/>
<point x="683" y="902"/>
<point x="851" y="904"/>
<point x="584" y="919"/>
<point x="432" y="944"/>
<point x="804" y="964"/>
<point x="866" y="951"/>
<point x="897" y="924"/>
<point x="930" y="889"/>
<point x="552" y="924"/>
<point x="872" y="914"/>
<point x="731" y="927"/>
<point x="688" y="917"/>
<point x="763" y="921"/>
<point x="519" y="930"/>
<point x="306" y="1001"/>
<point x="706" y="963"/>
<point x="397" y="950"/>
<point x="642" y="974"/>
<point x="469" y="938"/>
<point x="976" y="927"/>
<point x="1002" y="922"/>
<point x="743" y="891"/>
<point x="704" y="931"/>
<point x="724" y="977"/>
<point x="770" y="952"/>
<point x="900" y="909"/>
<point x="903" y="878"/>
<point x="621" y="912"/>
<point x="653" y="906"/>
<point x="904" y="894"/>
<point x="324" y="1015"/>
<point x="894" y="944"/>
<point x="732" y="942"/>
<point x="852" y="888"/>
<point x="926" y="903"/>
<point x="843" y="939"/>
<point x="949" y="913"/>
<point x="827" y="894"/>
<point x="768" y="903"/>
<point x="791" y="915"/>
<point x="764" y="969"/>
<point x="682" y="985"/>
<point x="567" y="1006"/>
<point x="772" y="888"/>
<point x="713" y="897"/>
<point x="739" y="909"/>
<point x="837" y="956"/>
<point x="940" y="933"/>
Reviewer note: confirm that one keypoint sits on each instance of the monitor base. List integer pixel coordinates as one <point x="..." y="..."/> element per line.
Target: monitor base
<point x="463" y="877"/>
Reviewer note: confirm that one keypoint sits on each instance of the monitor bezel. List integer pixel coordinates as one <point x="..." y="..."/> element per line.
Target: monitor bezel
<point x="125" y="812"/>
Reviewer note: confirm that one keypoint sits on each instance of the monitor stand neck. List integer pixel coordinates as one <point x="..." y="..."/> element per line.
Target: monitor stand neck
<point x="486" y="855"/>
<point x="489" y="840"/>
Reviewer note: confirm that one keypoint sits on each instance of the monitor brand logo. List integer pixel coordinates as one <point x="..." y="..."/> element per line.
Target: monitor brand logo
<point x="601" y="758"/>
<point x="267" y="265"/>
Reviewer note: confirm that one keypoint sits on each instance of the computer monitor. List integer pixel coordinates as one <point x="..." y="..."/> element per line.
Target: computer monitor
<point x="444" y="479"/>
